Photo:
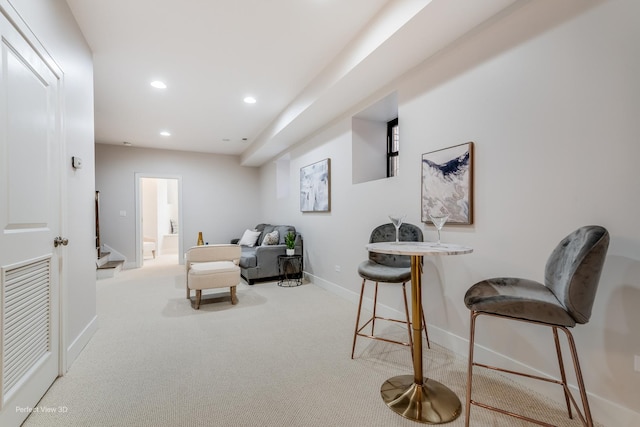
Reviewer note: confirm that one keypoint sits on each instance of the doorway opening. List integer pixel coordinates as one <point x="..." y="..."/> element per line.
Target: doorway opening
<point x="159" y="220"/>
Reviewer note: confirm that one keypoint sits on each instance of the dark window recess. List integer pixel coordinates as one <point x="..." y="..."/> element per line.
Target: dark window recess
<point x="393" y="147"/>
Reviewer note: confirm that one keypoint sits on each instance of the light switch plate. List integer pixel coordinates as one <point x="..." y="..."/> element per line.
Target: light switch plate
<point x="76" y="162"/>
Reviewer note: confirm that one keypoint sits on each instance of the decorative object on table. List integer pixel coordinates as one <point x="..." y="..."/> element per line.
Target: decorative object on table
<point x="572" y="274"/>
<point x="391" y="269"/>
<point x="290" y="241"/>
<point x="396" y="220"/>
<point x="200" y="239"/>
<point x="447" y="178"/>
<point x="290" y="269"/>
<point x="315" y="187"/>
<point x="439" y="215"/>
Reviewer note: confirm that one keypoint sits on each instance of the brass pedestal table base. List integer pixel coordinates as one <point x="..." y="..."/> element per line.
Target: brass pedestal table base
<point x="414" y="396"/>
<point x="430" y="402"/>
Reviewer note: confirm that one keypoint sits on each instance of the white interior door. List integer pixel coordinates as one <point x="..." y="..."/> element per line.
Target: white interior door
<point x="30" y="155"/>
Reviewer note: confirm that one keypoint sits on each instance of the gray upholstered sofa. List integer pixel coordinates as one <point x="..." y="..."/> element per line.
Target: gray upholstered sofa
<point x="260" y="262"/>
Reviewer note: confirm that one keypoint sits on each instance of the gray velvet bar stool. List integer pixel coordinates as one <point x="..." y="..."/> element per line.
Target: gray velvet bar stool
<point x="384" y="268"/>
<point x="572" y="274"/>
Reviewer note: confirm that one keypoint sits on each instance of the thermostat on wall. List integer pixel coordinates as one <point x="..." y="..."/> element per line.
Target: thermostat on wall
<point x="76" y="162"/>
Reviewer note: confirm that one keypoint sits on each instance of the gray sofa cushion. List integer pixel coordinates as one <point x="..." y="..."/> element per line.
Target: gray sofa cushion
<point x="283" y="230"/>
<point x="248" y="257"/>
<point x="261" y="227"/>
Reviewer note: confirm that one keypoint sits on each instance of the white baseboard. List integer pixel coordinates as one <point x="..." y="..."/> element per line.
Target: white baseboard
<point x="75" y="348"/>
<point x="332" y="287"/>
<point x="601" y="408"/>
<point x="367" y="303"/>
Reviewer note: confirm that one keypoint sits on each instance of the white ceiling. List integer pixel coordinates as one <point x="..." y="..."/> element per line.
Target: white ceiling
<point x="305" y="61"/>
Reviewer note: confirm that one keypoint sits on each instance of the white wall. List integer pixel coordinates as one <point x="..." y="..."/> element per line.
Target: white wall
<point x="149" y="195"/>
<point x="551" y="100"/>
<point x="369" y="149"/>
<point x="220" y="197"/>
<point x="54" y="26"/>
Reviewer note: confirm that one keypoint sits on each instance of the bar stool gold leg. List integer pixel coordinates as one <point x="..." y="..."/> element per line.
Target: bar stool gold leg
<point x="358" y="328"/>
<point x="563" y="375"/>
<point x="355" y="332"/>
<point x="375" y="304"/>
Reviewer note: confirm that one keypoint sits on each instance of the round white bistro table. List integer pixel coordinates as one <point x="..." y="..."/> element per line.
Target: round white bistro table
<point x="414" y="396"/>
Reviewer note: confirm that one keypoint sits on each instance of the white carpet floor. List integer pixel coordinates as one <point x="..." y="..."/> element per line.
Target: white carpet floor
<point x="280" y="357"/>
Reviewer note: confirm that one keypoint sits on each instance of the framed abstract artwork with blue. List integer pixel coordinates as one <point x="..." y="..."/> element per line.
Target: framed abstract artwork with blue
<point x="447" y="183"/>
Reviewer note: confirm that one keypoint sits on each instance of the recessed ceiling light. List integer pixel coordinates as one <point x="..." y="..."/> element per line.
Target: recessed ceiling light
<point x="165" y="133"/>
<point x="158" y="84"/>
<point x="250" y="100"/>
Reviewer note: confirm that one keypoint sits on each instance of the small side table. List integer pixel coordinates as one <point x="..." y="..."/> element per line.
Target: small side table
<point x="290" y="269"/>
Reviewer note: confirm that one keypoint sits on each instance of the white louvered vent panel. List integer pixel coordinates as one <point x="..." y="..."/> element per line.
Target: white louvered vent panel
<point x="25" y="319"/>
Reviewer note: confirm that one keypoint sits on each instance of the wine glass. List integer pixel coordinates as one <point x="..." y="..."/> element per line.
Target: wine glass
<point x="439" y="216"/>
<point x="396" y="220"/>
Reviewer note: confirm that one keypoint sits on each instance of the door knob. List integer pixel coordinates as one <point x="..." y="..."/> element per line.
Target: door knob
<point x="60" y="241"/>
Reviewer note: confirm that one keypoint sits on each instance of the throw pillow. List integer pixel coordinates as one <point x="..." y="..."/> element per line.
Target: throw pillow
<point x="249" y="238"/>
<point x="266" y="229"/>
<point x="271" y="238"/>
